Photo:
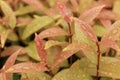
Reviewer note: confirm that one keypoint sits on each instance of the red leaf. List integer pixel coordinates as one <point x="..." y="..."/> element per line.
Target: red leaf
<point x="87" y="29"/>
<point x="27" y="67"/>
<point x="12" y="49"/>
<point x="11" y="60"/>
<point x="52" y="32"/>
<point x="106" y="23"/>
<point x="69" y="51"/>
<point x="64" y="12"/>
<point x="40" y="48"/>
<point x="91" y="14"/>
<point x="110" y="44"/>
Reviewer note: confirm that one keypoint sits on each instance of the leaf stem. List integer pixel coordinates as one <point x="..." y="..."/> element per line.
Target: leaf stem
<point x="70" y="39"/>
<point x="98" y="61"/>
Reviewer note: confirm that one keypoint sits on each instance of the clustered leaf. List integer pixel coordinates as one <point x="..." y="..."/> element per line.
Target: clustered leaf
<point x="59" y="39"/>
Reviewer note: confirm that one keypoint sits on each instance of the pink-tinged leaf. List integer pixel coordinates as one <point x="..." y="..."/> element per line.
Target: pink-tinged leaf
<point x="52" y="32"/>
<point x="106" y="23"/>
<point x="64" y="12"/>
<point x="107" y="14"/>
<point x="69" y="51"/>
<point x="38" y="5"/>
<point x="12" y="49"/>
<point x="35" y="3"/>
<point x="3" y="76"/>
<point x="103" y="2"/>
<point x="27" y="67"/>
<point x="74" y="4"/>
<point x="113" y="32"/>
<point x="23" y="21"/>
<point x="40" y="48"/>
<point x="11" y="60"/>
<point x="108" y="43"/>
<point x="89" y="15"/>
<point x="87" y="29"/>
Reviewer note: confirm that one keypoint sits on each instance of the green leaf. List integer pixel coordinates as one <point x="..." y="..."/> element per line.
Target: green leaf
<point x="51" y="2"/>
<point x="8" y="13"/>
<point x="12" y="36"/>
<point x="36" y="76"/>
<point x="25" y="10"/>
<point x="72" y="74"/>
<point x="36" y="25"/>
<point x="99" y="29"/>
<point x="116" y="6"/>
<point x="51" y="43"/>
<point x="80" y="36"/>
<point x="84" y="4"/>
<point x="4" y="36"/>
<point x="109" y="67"/>
<point x="32" y="51"/>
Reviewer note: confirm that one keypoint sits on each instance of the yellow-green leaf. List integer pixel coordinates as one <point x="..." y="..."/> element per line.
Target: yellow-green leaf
<point x="116" y="6"/>
<point x="4" y="36"/>
<point x="72" y="74"/>
<point x="36" y="25"/>
<point x="51" y="43"/>
<point x="32" y="51"/>
<point x="99" y="29"/>
<point x="25" y="10"/>
<point x="36" y="76"/>
<point x="8" y="12"/>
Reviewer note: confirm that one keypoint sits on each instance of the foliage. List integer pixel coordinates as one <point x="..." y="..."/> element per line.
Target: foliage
<point x="59" y="39"/>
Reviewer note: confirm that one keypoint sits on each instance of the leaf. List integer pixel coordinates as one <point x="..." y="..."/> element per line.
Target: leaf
<point x="109" y="67"/>
<point x="113" y="32"/>
<point x="35" y="3"/>
<point x="12" y="36"/>
<point x="84" y="5"/>
<point x="11" y="60"/>
<point x="86" y="28"/>
<point x="51" y="43"/>
<point x="23" y="21"/>
<point x="51" y="53"/>
<point x="52" y="32"/>
<point x="110" y="44"/>
<point x="64" y="12"/>
<point x="27" y="67"/>
<point x="9" y="13"/>
<point x="99" y="29"/>
<point x="72" y="49"/>
<point x="88" y="16"/>
<point x="40" y="48"/>
<point x="72" y="74"/>
<point x="106" y="23"/>
<point x="116" y="6"/>
<point x="75" y="5"/>
<point x="3" y="76"/>
<point x="32" y="51"/>
<point x="80" y="36"/>
<point x="4" y="35"/>
<point x="36" y="76"/>
<point x="25" y="10"/>
<point x="12" y="49"/>
<point x="36" y="25"/>
<point x="51" y="2"/>
<point x="107" y="14"/>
